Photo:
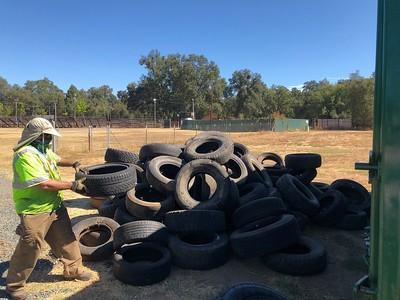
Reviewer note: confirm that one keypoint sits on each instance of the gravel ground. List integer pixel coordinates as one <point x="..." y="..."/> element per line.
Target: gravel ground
<point x="9" y="239"/>
<point x="345" y="266"/>
<point x="8" y="223"/>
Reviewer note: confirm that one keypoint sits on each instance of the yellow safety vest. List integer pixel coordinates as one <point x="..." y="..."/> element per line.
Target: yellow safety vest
<point x="32" y="167"/>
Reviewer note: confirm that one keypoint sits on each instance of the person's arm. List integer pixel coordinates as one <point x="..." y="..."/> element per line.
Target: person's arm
<point x="66" y="162"/>
<point x="54" y="185"/>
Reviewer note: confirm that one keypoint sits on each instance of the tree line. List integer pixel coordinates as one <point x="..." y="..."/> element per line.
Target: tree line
<point x="180" y="84"/>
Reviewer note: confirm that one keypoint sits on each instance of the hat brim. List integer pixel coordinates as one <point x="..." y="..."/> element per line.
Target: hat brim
<point x="51" y="131"/>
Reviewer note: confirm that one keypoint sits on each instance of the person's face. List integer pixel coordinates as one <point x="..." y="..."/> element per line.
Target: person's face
<point x="47" y="138"/>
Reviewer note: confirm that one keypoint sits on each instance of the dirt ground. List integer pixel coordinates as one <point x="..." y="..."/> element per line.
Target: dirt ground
<point x="339" y="150"/>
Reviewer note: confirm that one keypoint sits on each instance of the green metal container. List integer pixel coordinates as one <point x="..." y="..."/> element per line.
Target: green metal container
<point x="383" y="280"/>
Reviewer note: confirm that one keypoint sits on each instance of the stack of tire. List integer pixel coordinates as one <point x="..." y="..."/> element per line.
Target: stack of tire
<point x="214" y="196"/>
<point x="344" y="204"/>
<point x="95" y="234"/>
<point x="141" y="255"/>
<point x="263" y="225"/>
<point x="153" y="195"/>
<point x="198" y="240"/>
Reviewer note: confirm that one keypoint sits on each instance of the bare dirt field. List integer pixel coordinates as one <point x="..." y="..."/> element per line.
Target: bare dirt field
<point x="339" y="150"/>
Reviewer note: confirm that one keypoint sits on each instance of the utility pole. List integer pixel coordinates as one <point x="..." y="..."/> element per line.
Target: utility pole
<point x="193" y="116"/>
<point x="155" y="111"/>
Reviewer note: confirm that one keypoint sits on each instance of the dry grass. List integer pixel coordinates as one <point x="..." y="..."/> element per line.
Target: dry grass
<point x="339" y="149"/>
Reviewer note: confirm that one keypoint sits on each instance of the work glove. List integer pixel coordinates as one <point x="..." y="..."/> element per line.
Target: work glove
<point x="77" y="166"/>
<point x="79" y="186"/>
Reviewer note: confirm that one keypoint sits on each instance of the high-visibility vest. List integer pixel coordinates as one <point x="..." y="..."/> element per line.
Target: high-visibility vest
<point x="30" y="168"/>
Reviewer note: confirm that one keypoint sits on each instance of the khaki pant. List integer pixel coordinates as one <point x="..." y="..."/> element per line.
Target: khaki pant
<point x="34" y="230"/>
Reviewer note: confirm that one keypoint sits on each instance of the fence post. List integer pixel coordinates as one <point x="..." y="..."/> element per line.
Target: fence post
<point x="55" y="140"/>
<point x="146" y="134"/>
<point x="108" y="135"/>
<point x="90" y="138"/>
<point x="174" y="134"/>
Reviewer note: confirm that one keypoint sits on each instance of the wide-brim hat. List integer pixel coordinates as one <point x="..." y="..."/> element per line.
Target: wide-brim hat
<point x="33" y="129"/>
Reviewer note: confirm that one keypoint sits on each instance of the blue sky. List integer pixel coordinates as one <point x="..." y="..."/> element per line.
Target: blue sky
<point x="91" y="43"/>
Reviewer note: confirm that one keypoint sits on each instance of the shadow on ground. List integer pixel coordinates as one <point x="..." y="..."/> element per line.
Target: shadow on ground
<point x="345" y="267"/>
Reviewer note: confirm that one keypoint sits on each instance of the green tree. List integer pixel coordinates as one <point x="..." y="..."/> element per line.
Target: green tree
<point x="81" y="105"/>
<point x="282" y="101"/>
<point x="70" y="100"/>
<point x="247" y="90"/>
<point x="360" y="95"/>
<point x="175" y="81"/>
<point x="42" y="94"/>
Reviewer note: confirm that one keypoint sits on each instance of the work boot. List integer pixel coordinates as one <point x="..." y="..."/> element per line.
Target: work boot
<point x="17" y="295"/>
<point x="83" y="276"/>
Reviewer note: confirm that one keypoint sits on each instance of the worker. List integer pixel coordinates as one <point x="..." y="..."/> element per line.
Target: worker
<point x="38" y="200"/>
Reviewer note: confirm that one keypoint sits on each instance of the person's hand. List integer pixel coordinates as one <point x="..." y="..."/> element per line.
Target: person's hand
<point x="79" y="186"/>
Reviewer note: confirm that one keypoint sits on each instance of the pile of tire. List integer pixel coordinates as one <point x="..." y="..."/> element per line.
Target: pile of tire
<point x="211" y="197"/>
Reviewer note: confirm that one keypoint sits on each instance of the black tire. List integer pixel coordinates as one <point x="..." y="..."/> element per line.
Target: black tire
<point x="323" y="187"/>
<point x="253" y="191"/>
<point x="316" y="191"/>
<point x="206" y="134"/>
<point x="232" y="201"/>
<point x="247" y="291"/>
<point x="140" y="231"/>
<point x="149" y="151"/>
<point x="332" y="208"/>
<point x="142" y="263"/>
<point x="161" y="172"/>
<point x="271" y="157"/>
<point x="274" y="192"/>
<point x="115" y="155"/>
<point x="119" y="200"/>
<point x="193" y="168"/>
<point x="147" y="203"/>
<point x="306" y="257"/>
<point x="122" y="216"/>
<point x="141" y="174"/>
<point x="302" y="219"/>
<point x="258" y="209"/>
<point x="199" y="251"/>
<point x="217" y="148"/>
<point x="265" y="236"/>
<point x="184" y="221"/>
<point x="353" y="220"/>
<point x="237" y="170"/>
<point x="257" y="172"/>
<point x="303" y="161"/>
<point x="276" y="173"/>
<point x="306" y="176"/>
<point x="240" y="149"/>
<point x="107" y="209"/>
<point x="297" y="195"/>
<point x="101" y="246"/>
<point x="357" y="196"/>
<point x="201" y="189"/>
<point x="110" y="179"/>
